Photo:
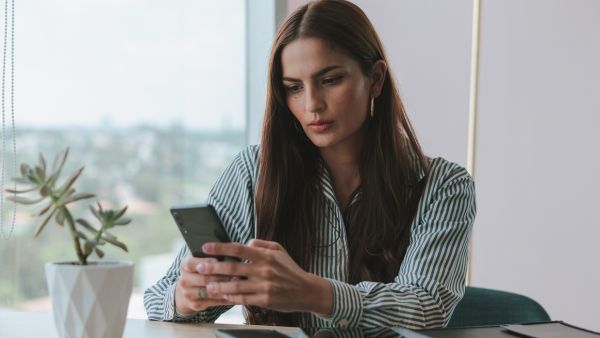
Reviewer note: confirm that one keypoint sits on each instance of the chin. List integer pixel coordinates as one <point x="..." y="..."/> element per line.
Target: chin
<point x="323" y="142"/>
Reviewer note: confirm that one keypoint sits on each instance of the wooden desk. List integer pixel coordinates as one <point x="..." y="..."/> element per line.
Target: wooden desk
<point x="24" y="324"/>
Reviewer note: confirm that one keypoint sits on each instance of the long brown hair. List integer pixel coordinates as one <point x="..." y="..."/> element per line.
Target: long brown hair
<point x="391" y="160"/>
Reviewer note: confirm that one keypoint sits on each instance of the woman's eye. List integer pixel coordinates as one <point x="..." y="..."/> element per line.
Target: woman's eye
<point x="293" y="89"/>
<point x="332" y="80"/>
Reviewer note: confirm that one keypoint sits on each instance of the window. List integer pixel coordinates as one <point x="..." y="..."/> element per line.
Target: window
<point x="149" y="96"/>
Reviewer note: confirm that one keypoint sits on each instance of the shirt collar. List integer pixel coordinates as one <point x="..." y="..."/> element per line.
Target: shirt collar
<point x="324" y="181"/>
<point x="325" y="185"/>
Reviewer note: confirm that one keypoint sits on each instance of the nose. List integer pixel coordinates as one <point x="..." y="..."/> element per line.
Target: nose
<point x="314" y="102"/>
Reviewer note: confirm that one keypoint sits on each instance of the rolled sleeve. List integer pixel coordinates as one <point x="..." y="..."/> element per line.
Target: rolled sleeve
<point x="169" y="304"/>
<point x="347" y="305"/>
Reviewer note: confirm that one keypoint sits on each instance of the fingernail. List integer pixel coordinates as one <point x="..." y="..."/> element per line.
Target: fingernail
<point x="200" y="267"/>
<point x="211" y="287"/>
<point x="208" y="247"/>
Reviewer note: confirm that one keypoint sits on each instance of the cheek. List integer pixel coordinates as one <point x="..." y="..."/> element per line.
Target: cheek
<point x="295" y="105"/>
<point x="351" y="100"/>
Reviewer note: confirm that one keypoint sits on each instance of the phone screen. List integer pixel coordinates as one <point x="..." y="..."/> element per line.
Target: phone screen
<point x="199" y="224"/>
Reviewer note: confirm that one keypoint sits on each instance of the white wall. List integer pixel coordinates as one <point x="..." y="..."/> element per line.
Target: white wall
<point x="538" y="163"/>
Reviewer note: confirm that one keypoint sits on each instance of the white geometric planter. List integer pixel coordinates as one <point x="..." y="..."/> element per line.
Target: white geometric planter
<point x="90" y="301"/>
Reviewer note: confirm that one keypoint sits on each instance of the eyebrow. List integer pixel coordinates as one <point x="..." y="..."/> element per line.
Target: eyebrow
<point x="315" y="75"/>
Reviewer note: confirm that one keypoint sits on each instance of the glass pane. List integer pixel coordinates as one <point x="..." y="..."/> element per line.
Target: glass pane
<point x="149" y="96"/>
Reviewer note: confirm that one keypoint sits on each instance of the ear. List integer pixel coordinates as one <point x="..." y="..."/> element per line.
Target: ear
<point x="378" y="74"/>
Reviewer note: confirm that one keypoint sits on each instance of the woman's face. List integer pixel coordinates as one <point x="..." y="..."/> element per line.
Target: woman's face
<point x="326" y="91"/>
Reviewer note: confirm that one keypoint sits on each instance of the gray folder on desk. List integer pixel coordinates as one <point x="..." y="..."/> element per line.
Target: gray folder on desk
<point x="554" y="329"/>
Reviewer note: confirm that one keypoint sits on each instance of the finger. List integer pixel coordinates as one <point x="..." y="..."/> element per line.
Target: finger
<point x="229" y="269"/>
<point x="260" y="243"/>
<point x="247" y="299"/>
<point x="194" y="280"/>
<point x="189" y="263"/>
<point x="234" y="287"/>
<point x="201" y="305"/>
<point x="234" y="250"/>
<point x="193" y="294"/>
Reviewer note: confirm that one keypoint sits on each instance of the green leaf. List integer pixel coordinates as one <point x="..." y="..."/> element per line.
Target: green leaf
<point x="13" y="191"/>
<point x="69" y="182"/>
<point x="78" y="197"/>
<point x="123" y="221"/>
<point x="108" y="235"/>
<point x="22" y="200"/>
<point x="32" y="177"/>
<point x="109" y="215"/>
<point x="42" y="211"/>
<point x="43" y="224"/>
<point x="64" y="196"/>
<point x="121" y="212"/>
<point x="95" y="213"/>
<point x="42" y="162"/>
<point x="115" y="242"/>
<point x="82" y="235"/>
<point x="23" y="180"/>
<point x="86" y="225"/>
<point x="40" y="174"/>
<point x="99" y="252"/>
<point x="57" y="166"/>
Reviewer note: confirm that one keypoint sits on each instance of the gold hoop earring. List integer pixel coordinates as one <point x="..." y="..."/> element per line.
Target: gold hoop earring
<point x="372" y="106"/>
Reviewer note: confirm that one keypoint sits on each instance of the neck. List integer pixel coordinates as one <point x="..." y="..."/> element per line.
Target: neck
<point x="342" y="163"/>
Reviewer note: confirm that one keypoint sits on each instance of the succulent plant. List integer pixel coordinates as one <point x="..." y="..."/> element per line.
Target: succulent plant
<point x="56" y="200"/>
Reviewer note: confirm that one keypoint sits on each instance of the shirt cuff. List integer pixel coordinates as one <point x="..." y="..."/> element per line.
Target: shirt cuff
<point x="347" y="305"/>
<point x="170" y="313"/>
<point x="169" y="303"/>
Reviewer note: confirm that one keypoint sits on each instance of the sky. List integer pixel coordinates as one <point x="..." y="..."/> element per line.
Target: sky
<point x="129" y="62"/>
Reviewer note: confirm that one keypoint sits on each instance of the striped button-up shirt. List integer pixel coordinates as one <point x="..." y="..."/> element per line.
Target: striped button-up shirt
<point x="431" y="278"/>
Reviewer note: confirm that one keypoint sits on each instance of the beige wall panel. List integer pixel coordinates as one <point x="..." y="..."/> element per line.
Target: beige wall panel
<point x="538" y="147"/>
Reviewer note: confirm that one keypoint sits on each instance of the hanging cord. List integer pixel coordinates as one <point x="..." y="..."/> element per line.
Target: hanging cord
<point x="12" y="115"/>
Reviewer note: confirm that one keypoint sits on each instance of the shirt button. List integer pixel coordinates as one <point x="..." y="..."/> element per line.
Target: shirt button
<point x="344" y="323"/>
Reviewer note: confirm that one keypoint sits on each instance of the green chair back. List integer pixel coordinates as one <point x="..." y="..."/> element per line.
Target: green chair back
<point x="481" y="307"/>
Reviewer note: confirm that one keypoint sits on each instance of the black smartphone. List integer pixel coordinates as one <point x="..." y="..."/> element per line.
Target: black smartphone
<point x="200" y="224"/>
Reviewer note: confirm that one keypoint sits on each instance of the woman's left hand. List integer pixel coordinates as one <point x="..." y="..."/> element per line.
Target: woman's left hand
<point x="272" y="279"/>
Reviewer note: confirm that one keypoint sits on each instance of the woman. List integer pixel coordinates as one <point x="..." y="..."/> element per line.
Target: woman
<point x="339" y="217"/>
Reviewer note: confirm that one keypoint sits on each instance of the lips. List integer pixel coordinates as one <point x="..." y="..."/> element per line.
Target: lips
<point x="320" y="123"/>
<point x="319" y="126"/>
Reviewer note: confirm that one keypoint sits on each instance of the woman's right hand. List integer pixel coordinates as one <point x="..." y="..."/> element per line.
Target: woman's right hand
<point x="190" y="290"/>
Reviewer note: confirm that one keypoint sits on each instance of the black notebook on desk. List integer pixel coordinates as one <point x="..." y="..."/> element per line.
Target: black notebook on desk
<point x="252" y="333"/>
<point x="555" y="329"/>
